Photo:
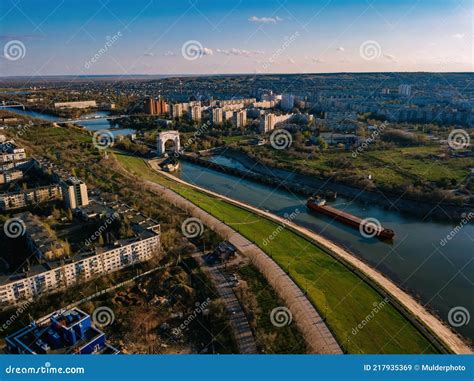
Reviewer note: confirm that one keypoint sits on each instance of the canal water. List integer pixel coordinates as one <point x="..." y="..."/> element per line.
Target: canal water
<point x="91" y="124"/>
<point x="441" y="277"/>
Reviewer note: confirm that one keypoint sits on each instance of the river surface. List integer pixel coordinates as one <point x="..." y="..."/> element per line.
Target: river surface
<point x="91" y="124"/>
<point x="441" y="277"/>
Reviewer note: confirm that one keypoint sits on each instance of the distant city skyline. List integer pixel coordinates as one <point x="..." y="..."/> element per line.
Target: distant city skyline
<point x="209" y="37"/>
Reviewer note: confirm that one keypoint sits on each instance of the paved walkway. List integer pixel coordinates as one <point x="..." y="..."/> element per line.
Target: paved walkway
<point x="436" y="327"/>
<point x="317" y="335"/>
<point x="238" y="320"/>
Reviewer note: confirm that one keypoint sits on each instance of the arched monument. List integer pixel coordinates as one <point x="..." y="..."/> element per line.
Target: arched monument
<point x="163" y="137"/>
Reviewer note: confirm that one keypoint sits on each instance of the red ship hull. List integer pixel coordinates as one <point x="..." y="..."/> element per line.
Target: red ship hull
<point x="351" y="220"/>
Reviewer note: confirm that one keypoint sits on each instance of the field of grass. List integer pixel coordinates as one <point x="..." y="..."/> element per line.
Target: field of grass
<point x="342" y="297"/>
<point x="397" y="166"/>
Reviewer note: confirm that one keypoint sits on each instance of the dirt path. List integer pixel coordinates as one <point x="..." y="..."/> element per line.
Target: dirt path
<point x="415" y="309"/>
<point x="238" y="320"/>
<point x="317" y="335"/>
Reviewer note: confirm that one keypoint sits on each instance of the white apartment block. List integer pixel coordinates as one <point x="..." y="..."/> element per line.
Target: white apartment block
<point x="268" y="122"/>
<point x="81" y="270"/>
<point x="78" y="104"/>
<point x="217" y="115"/>
<point x="263" y="104"/>
<point x="404" y="90"/>
<point x="195" y="113"/>
<point x="239" y="119"/>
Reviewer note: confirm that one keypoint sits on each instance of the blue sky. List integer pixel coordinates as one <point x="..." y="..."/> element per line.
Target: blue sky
<point x="234" y="36"/>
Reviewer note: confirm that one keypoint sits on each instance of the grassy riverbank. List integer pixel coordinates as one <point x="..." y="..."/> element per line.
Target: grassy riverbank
<point x="340" y="295"/>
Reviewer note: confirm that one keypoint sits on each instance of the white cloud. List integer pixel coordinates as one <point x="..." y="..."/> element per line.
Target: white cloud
<point x="149" y="54"/>
<point x="168" y="53"/>
<point x="207" y="52"/>
<point x="340" y="49"/>
<point x="318" y="60"/>
<point x="459" y="36"/>
<point x="390" y="57"/>
<point x="239" y="52"/>
<point x="291" y="60"/>
<point x="265" y="20"/>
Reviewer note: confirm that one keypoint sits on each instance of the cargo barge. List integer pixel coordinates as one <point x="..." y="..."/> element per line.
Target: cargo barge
<point x="367" y="227"/>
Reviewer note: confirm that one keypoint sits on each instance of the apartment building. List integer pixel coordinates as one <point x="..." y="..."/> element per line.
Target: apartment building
<point x="29" y="197"/>
<point x="58" y="274"/>
<point x="78" y="104"/>
<point x="217" y="116"/>
<point x="239" y="119"/>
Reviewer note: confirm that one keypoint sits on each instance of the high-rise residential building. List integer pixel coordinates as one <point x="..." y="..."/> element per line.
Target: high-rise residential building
<point x="150" y="106"/>
<point x="239" y="119"/>
<point x="287" y="102"/>
<point x="217" y="116"/>
<point x="269" y="121"/>
<point x="176" y="110"/>
<point x="404" y="90"/>
<point x="74" y="192"/>
<point x="155" y="107"/>
<point x="195" y="113"/>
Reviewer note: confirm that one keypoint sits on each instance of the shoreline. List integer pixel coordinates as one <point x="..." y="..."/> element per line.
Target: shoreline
<point x="308" y="185"/>
<point x="417" y="314"/>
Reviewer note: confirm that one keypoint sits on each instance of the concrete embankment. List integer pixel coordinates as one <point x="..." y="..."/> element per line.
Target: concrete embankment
<point x="440" y="334"/>
<point x="309" y="185"/>
<point x="313" y="328"/>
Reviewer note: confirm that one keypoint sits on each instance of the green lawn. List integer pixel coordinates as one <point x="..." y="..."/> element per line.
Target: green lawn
<point x="340" y="295"/>
<point x="397" y="166"/>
